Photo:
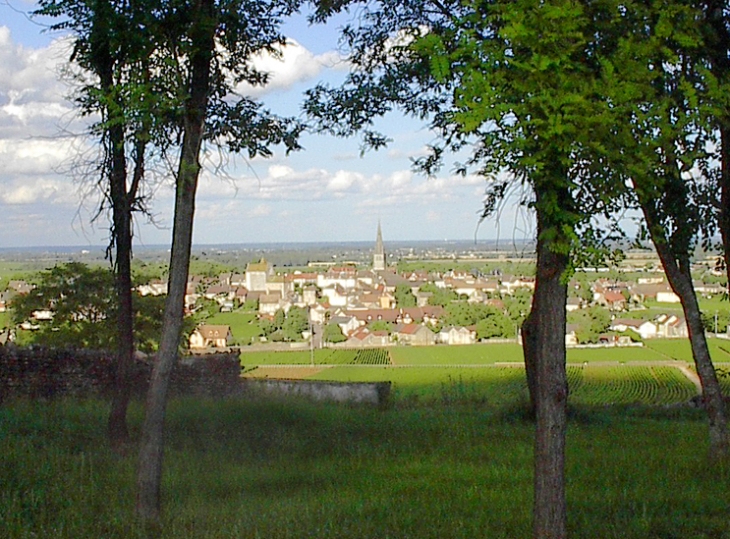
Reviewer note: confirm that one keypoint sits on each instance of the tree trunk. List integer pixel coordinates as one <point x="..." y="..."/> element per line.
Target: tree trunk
<point x="529" y="352"/>
<point x="149" y="472"/>
<point x="548" y="323"/>
<point x="724" y="212"/>
<point x="680" y="279"/>
<point x="121" y="234"/>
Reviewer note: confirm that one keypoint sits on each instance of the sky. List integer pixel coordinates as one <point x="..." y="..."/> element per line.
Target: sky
<point x="326" y="193"/>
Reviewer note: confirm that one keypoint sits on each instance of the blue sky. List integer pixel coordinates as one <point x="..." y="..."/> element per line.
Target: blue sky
<point x="327" y="192"/>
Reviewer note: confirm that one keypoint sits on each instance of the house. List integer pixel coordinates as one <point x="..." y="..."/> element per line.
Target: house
<point x="671" y="326"/>
<point x="318" y="313"/>
<point x="257" y="275"/>
<point x="210" y="336"/>
<point x="365" y="338"/>
<point x="270" y="303"/>
<point x="573" y="304"/>
<point x="614" y="300"/>
<point x="156" y="287"/>
<point x="667" y="296"/>
<point x="422" y="298"/>
<point x="336" y="294"/>
<point x="659" y="292"/>
<point x="414" y="334"/>
<point x="457" y="335"/>
<point x="644" y="328"/>
<point x="20" y="286"/>
<point x="571" y="334"/>
<point x="5" y="298"/>
<point x="347" y="324"/>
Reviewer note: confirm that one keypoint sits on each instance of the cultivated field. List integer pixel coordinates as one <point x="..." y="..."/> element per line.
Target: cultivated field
<point x="659" y="373"/>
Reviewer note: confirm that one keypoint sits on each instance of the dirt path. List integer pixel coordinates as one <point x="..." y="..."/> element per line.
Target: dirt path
<point x="692" y="377"/>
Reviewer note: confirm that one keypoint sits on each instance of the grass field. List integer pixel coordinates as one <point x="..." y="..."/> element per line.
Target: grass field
<point x="290" y="470"/>
<point x="489" y="354"/>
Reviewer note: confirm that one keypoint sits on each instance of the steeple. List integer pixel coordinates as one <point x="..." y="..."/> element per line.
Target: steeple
<point x="379" y="255"/>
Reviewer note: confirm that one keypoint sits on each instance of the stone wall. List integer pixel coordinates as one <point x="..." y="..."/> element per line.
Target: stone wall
<point x="45" y="373"/>
<point x="376" y="393"/>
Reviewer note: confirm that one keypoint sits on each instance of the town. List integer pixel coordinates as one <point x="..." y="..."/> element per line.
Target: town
<point x="370" y="302"/>
<point x="375" y="304"/>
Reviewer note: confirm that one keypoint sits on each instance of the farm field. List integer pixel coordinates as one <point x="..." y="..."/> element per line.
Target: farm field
<point x="488" y="354"/>
<point x="680" y="349"/>
<point x="590" y="385"/>
<point x="604" y="376"/>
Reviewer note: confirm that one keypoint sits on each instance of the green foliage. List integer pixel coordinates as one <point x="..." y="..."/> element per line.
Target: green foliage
<point x="82" y="301"/>
<point x="441" y="296"/>
<point x="333" y="333"/>
<point x="404" y="296"/>
<point x="381" y="325"/>
<point x="593" y="322"/>
<point x="297" y="322"/>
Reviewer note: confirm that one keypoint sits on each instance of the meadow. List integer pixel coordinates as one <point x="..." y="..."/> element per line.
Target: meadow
<point x="252" y="468"/>
<point x="449" y="457"/>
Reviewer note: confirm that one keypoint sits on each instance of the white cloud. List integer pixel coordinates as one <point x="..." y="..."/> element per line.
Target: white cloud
<point x="262" y="210"/>
<point x="292" y="64"/>
<point x="32" y="190"/>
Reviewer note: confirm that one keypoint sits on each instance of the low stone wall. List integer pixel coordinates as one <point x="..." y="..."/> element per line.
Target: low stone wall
<point x="375" y="393"/>
<point x="48" y="373"/>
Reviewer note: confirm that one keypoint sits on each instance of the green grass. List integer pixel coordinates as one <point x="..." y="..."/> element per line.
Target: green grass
<point x="272" y="469"/>
<point x="244" y="325"/>
<point x="619" y="354"/>
<point x="4" y="320"/>
<point x="591" y="385"/>
<point x="457" y="355"/>
<point x="680" y="349"/>
<point x="489" y="354"/>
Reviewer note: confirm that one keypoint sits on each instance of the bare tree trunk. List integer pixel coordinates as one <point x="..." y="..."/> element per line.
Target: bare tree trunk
<point x="530" y="352"/>
<point x="724" y="212"/>
<point x="680" y="279"/>
<point x="548" y="346"/>
<point x="149" y="472"/>
<point x="121" y="234"/>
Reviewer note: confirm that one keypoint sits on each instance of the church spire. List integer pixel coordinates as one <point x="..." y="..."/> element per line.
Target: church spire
<point x="379" y="255"/>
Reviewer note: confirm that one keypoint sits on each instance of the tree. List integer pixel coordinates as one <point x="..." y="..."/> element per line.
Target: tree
<point x="715" y="54"/>
<point x="593" y="322"/>
<point x="494" y="324"/>
<point x="381" y="325"/>
<point x="208" y="46"/>
<point x="404" y="296"/>
<point x="517" y="82"/>
<point x="116" y="60"/>
<point x="81" y="302"/>
<point x="83" y="306"/>
<point x="333" y="333"/>
<point x="439" y="296"/>
<point x="657" y="83"/>
<point x="297" y="322"/>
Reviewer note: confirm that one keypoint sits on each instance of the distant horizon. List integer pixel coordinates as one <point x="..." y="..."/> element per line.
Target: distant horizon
<point x="161" y="246"/>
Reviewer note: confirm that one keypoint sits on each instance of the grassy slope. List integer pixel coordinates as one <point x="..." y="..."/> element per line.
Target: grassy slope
<point x="270" y="469"/>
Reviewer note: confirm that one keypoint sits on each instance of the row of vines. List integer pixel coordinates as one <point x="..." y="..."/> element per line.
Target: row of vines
<point x="624" y="384"/>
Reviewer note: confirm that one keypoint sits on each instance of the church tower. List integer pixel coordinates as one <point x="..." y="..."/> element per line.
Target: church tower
<point x="379" y="255"/>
